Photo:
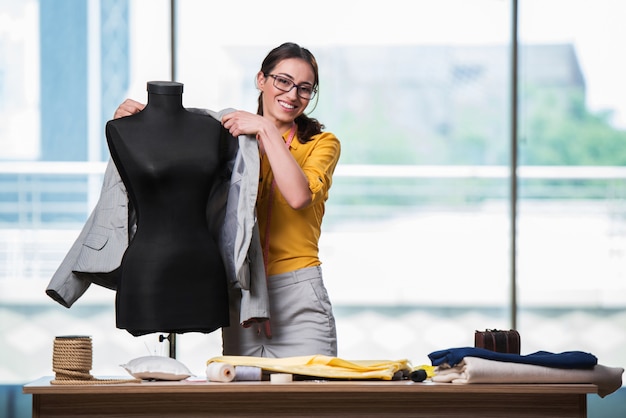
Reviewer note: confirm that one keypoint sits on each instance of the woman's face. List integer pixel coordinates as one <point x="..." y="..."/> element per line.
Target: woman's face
<point x="280" y="106"/>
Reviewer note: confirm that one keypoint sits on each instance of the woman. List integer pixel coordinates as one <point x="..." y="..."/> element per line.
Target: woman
<point x="297" y="164"/>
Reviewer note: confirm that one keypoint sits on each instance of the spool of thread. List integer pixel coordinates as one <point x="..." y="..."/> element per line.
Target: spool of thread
<point x="248" y="373"/>
<point x="220" y="372"/>
<point x="418" y="375"/>
<point x="281" y="378"/>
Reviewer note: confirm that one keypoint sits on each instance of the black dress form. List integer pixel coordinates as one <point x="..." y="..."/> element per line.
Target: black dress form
<point x="172" y="276"/>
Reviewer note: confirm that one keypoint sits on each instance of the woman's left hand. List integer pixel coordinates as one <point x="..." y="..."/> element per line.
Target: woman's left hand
<point x="243" y="123"/>
<point x="290" y="179"/>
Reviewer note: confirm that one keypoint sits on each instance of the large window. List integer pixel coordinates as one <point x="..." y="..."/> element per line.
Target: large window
<point x="416" y="247"/>
<point x="572" y="120"/>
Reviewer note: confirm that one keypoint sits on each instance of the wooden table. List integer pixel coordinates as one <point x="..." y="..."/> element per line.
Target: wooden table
<point x="308" y="399"/>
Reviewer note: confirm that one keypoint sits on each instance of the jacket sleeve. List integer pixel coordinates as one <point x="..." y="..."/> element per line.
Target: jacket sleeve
<point x="65" y="287"/>
<point x="97" y="252"/>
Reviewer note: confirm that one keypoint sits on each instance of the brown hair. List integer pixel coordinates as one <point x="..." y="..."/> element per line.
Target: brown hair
<point x="307" y="126"/>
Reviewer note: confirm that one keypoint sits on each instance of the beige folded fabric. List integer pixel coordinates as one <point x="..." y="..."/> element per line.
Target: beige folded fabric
<point x="479" y="370"/>
<point x="322" y="366"/>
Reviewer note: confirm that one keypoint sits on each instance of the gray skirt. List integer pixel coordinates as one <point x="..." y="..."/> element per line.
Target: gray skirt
<point x="302" y="321"/>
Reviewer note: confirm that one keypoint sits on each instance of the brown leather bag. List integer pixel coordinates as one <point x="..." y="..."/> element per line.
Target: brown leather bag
<point x="498" y="340"/>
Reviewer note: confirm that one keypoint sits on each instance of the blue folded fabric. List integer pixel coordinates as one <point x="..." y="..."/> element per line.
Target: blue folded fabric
<point x="565" y="360"/>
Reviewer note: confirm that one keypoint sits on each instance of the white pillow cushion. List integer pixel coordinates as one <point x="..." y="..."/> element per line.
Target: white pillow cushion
<point x="157" y="368"/>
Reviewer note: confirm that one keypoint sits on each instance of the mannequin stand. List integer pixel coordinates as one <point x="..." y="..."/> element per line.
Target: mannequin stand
<point x="172" y="340"/>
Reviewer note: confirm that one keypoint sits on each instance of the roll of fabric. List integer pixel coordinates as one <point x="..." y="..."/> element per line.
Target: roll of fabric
<point x="281" y="377"/>
<point x="220" y="372"/>
<point x="248" y="373"/>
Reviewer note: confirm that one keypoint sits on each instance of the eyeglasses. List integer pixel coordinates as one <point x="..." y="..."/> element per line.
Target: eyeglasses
<point x="305" y="91"/>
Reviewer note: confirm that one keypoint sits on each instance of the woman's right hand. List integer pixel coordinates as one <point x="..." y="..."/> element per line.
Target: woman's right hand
<point x="127" y="108"/>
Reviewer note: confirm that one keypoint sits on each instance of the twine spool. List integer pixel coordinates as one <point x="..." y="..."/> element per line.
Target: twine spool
<point x="72" y="360"/>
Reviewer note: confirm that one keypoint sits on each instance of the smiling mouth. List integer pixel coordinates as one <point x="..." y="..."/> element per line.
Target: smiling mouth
<point x="286" y="105"/>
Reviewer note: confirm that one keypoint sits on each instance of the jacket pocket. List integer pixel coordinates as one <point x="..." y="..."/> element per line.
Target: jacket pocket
<point x="95" y="241"/>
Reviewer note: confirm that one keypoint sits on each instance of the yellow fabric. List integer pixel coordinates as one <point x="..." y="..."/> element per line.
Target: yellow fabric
<point x="294" y="234"/>
<point x="321" y="366"/>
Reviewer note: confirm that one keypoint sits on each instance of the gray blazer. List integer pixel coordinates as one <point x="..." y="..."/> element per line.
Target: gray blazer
<point x="96" y="255"/>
